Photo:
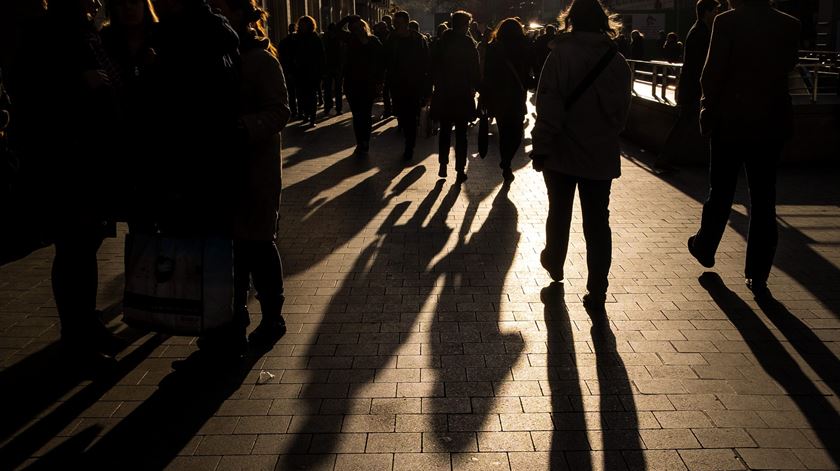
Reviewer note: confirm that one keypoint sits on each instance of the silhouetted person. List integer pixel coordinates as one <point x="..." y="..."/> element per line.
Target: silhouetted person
<point x="407" y="68"/>
<point x="672" y="50"/>
<point x="542" y="46"/>
<point x="382" y="32"/>
<point x="335" y="52"/>
<point x="747" y="111"/>
<point x="688" y="87"/>
<point x="129" y="40"/>
<point x="637" y="45"/>
<point x="309" y="67"/>
<point x="263" y="113"/>
<point x="414" y="25"/>
<point x="623" y="44"/>
<point x="287" y="49"/>
<point x="363" y="75"/>
<point x="68" y="107"/>
<point x="507" y="78"/>
<point x="456" y="76"/>
<point x="578" y="147"/>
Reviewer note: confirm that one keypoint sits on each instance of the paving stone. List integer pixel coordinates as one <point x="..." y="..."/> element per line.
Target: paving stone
<point x="711" y="460"/>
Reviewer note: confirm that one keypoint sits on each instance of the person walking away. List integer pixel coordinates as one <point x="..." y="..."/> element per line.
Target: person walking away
<point x="504" y="90"/>
<point x="456" y="76"/>
<point x="263" y="113"/>
<point x="746" y="110"/>
<point x="407" y="77"/>
<point x="363" y="76"/>
<point x="542" y="46"/>
<point x="687" y="126"/>
<point x="287" y="49"/>
<point x="309" y="67"/>
<point x="335" y="51"/>
<point x="583" y="99"/>
<point x="382" y="31"/>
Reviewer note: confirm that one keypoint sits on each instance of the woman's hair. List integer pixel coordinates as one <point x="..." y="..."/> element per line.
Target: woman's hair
<point x="255" y="21"/>
<point x="149" y="15"/>
<point x="590" y="16"/>
<point x="509" y="30"/>
<point x="307" y="20"/>
<point x="365" y="25"/>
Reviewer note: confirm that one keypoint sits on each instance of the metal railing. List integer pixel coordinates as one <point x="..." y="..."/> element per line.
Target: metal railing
<point x="818" y="77"/>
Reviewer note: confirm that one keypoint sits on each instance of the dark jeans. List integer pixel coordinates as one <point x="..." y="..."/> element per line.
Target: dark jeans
<point x="594" y="206"/>
<point x="407" y="109"/>
<point x="333" y="92"/>
<point x="261" y="260"/>
<point x="510" y="138"/>
<point x="75" y="276"/>
<point x="307" y="92"/>
<point x="361" y="105"/>
<point x="445" y="142"/>
<point x="386" y="100"/>
<point x="758" y="156"/>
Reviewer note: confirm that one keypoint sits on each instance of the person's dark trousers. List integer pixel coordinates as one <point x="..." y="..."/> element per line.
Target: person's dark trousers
<point x="259" y="261"/>
<point x="407" y="109"/>
<point x="387" y="108"/>
<point x="594" y="202"/>
<point x="307" y="99"/>
<point x="333" y="93"/>
<point x="759" y="156"/>
<point x="445" y="142"/>
<point x="361" y="105"/>
<point x="510" y="138"/>
<point x="291" y="86"/>
<point x="75" y="277"/>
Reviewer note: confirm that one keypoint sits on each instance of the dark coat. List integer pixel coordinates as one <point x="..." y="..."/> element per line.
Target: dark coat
<point x="753" y="49"/>
<point x="695" y="50"/>
<point x="309" y="58"/>
<point x="407" y="66"/>
<point x="264" y="112"/>
<point x="365" y="68"/>
<point x="456" y="76"/>
<point x="507" y="78"/>
<point x="335" y="53"/>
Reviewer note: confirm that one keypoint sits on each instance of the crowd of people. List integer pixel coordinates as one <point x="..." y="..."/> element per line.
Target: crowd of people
<point x="192" y="96"/>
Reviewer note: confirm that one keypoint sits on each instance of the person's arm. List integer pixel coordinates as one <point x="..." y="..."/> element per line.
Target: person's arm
<point x="714" y="72"/>
<point x="550" y="111"/>
<point x="272" y="112"/>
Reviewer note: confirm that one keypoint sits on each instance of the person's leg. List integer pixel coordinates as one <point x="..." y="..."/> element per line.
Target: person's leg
<point x="75" y="278"/>
<point x="338" y="89"/>
<point x="461" y="146"/>
<point x="366" y="121"/>
<point x="387" y="101"/>
<point x="328" y="93"/>
<point x="510" y="138"/>
<point x="595" y="209"/>
<point x="724" y="166"/>
<point x="409" y="127"/>
<point x="293" y="99"/>
<point x="267" y="273"/>
<point x="561" y="198"/>
<point x="763" y="236"/>
<point x="444" y="142"/>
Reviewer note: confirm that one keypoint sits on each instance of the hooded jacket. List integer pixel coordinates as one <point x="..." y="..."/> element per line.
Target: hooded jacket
<point x="582" y="141"/>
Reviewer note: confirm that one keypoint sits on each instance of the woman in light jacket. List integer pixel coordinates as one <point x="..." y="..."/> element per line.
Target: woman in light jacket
<point x="263" y="113"/>
<point x="579" y="147"/>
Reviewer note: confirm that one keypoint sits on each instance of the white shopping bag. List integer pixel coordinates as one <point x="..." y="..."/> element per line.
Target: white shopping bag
<point x="181" y="286"/>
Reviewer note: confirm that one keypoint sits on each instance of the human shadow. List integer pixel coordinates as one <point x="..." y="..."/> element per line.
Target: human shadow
<point x="162" y="426"/>
<point x="476" y="355"/>
<point x="45" y="389"/>
<point x="775" y="359"/>
<point x="362" y="354"/>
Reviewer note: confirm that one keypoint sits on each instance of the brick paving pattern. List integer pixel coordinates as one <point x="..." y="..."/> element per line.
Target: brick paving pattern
<point x="423" y="334"/>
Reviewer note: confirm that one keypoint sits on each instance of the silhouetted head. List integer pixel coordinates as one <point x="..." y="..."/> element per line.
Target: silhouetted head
<point x="292" y="28"/>
<point x="508" y="31"/>
<point x="590" y="16"/>
<point x="358" y="27"/>
<point x="73" y="11"/>
<point x="401" y="20"/>
<point x="707" y="10"/>
<point x="306" y="24"/>
<point x="248" y="19"/>
<point x="636" y="35"/>
<point x="388" y="21"/>
<point x="414" y="26"/>
<point x="131" y="13"/>
<point x="441" y="29"/>
<point x="460" y="21"/>
<point x="550" y="30"/>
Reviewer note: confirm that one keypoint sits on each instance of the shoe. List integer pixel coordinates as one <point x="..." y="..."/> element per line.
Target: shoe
<point x="79" y="352"/>
<point x="555" y="272"/>
<point x="507" y="175"/>
<point x="758" y="288"/>
<point x="360" y="152"/>
<point x="706" y="261"/>
<point x="594" y="301"/>
<point x="267" y="333"/>
<point x="442" y="171"/>
<point x="461" y="178"/>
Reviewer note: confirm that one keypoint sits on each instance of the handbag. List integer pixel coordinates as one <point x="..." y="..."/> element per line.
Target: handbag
<point x="178" y="285"/>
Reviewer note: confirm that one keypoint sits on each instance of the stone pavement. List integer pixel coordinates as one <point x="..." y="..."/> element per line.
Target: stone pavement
<point x="423" y="334"/>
